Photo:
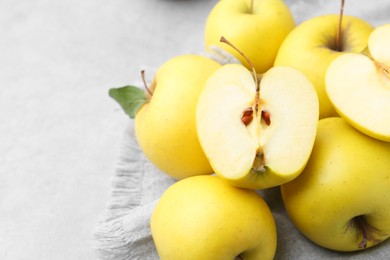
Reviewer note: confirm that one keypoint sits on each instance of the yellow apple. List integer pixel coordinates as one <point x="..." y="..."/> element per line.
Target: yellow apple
<point x="165" y="127"/>
<point x="256" y="27"/>
<point x="341" y="200"/>
<point x="257" y="135"/>
<point x="311" y="46"/>
<point x="359" y="86"/>
<point x="165" y="119"/>
<point x="202" y="217"/>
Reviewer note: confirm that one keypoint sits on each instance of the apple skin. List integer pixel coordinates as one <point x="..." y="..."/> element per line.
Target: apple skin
<point x="165" y="127"/>
<point x="310" y="48"/>
<point x="348" y="175"/>
<point x="258" y="34"/>
<point x="202" y="217"/>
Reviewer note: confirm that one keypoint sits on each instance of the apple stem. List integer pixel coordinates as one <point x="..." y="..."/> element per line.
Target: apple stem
<point x="224" y="40"/>
<point x="144" y="81"/>
<point x="339" y="31"/>
<point x="251" y="8"/>
<point x="360" y="223"/>
<point x="257" y="100"/>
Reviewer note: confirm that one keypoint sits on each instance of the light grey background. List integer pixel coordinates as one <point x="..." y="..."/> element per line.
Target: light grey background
<point x="60" y="133"/>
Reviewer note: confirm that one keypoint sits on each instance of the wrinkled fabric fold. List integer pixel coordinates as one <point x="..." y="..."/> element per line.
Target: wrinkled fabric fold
<point x="124" y="230"/>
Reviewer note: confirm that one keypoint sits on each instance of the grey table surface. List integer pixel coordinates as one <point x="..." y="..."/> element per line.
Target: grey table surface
<point x="60" y="132"/>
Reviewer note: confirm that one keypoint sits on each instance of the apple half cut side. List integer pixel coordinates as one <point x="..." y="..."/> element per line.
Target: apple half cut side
<point x="257" y="136"/>
<point x="379" y="44"/>
<point x="359" y="86"/>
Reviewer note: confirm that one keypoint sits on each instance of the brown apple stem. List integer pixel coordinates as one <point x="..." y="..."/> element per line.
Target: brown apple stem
<point x="360" y="223"/>
<point x="144" y="81"/>
<point x="257" y="81"/>
<point x="251" y="7"/>
<point x="339" y="31"/>
<point x="224" y="40"/>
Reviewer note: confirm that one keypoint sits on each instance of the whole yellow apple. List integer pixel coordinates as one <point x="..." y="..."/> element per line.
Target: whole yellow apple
<point x="256" y="27"/>
<point x="311" y="47"/>
<point x="203" y="217"/>
<point x="165" y="126"/>
<point x="341" y="200"/>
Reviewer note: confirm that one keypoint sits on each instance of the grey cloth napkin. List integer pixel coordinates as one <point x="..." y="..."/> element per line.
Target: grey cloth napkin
<point x="124" y="232"/>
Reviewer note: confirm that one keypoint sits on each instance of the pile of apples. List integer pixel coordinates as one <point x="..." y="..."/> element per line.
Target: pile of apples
<point x="310" y="115"/>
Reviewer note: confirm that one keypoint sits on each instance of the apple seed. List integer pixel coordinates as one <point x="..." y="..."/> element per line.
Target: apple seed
<point x="266" y="117"/>
<point x="247" y="116"/>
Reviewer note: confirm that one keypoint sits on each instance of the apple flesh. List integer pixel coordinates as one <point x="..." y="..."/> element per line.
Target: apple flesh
<point x="359" y="86"/>
<point x="311" y="47"/>
<point x="379" y="44"/>
<point x="204" y="218"/>
<point x="275" y="145"/>
<point x="341" y="200"/>
<point x="257" y="31"/>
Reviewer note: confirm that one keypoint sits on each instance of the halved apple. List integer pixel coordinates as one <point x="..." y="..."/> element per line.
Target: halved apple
<point x="257" y="133"/>
<point x="379" y="44"/>
<point x="359" y="86"/>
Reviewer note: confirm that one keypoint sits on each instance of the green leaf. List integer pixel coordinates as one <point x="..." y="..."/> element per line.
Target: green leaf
<point x="130" y="98"/>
